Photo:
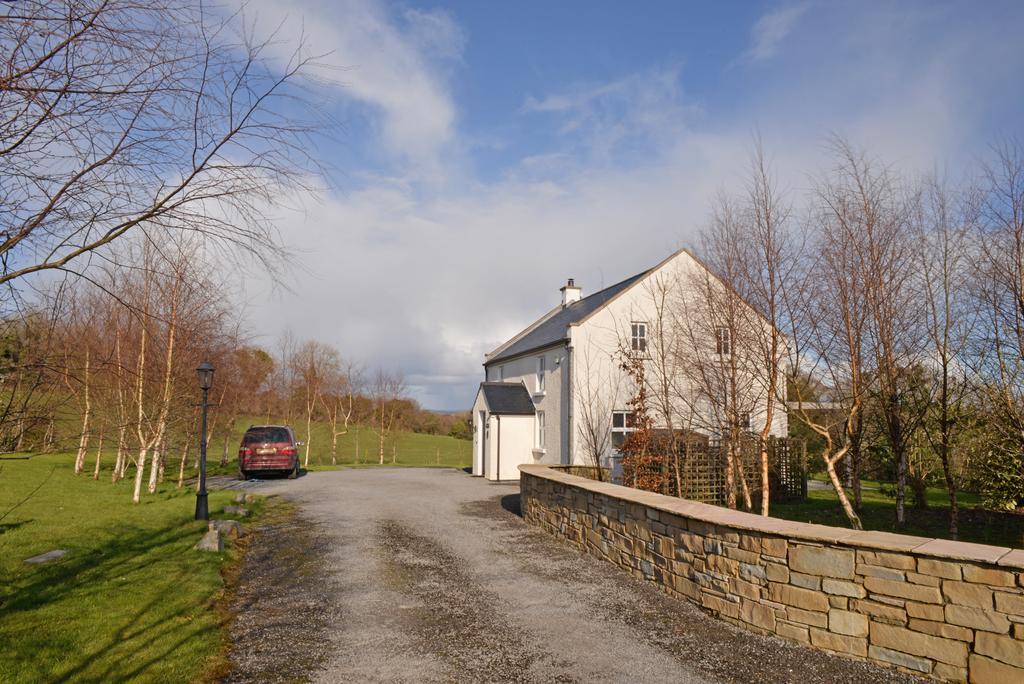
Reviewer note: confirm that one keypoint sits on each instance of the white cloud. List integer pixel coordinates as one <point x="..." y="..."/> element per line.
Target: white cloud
<point x="772" y="29"/>
<point x="397" y="68"/>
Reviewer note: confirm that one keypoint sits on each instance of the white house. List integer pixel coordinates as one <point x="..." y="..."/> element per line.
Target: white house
<point x="556" y="392"/>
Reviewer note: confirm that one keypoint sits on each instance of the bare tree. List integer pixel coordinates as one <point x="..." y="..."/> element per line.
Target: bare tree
<point x="597" y="395"/>
<point x="388" y="390"/>
<point x="946" y="228"/>
<point x="771" y="254"/>
<point x="343" y="384"/>
<point x="117" y="115"/>
<point x="313" y="363"/>
<point x="999" y="355"/>
<point x="719" y="346"/>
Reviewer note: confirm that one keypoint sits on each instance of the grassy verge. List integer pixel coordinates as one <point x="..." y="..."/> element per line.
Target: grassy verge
<point x="130" y="601"/>
<point x="879" y="513"/>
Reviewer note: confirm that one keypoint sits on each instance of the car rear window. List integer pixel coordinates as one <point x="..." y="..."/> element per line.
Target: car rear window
<point x="266" y="434"/>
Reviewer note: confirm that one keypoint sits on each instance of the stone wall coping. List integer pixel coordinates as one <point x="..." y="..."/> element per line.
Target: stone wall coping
<point x="885" y="541"/>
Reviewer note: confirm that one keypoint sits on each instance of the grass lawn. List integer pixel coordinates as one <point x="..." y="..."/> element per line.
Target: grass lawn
<point x="130" y="601"/>
<point x="879" y="513"/>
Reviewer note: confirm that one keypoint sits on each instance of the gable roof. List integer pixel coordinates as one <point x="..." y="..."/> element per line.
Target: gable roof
<point x="507" y="398"/>
<point x="553" y="327"/>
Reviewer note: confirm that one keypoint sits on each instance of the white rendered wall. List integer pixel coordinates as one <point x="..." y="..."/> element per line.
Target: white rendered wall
<point x="513" y="436"/>
<point x="599" y="380"/>
<point x="552" y="401"/>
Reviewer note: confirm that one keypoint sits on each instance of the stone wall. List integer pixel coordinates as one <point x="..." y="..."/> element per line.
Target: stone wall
<point x="951" y="610"/>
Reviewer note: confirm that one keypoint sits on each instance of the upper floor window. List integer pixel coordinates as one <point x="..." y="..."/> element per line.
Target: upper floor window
<point x="638" y="337"/>
<point x="622" y="425"/>
<point x="723" y="341"/>
<point x="541" y="428"/>
<point x="540" y="373"/>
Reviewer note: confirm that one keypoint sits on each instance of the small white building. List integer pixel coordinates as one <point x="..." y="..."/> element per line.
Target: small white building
<point x="558" y="391"/>
<point x="505" y="420"/>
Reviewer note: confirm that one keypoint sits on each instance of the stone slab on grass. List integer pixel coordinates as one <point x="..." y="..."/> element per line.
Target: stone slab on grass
<point x="211" y="541"/>
<point x="228" y="528"/>
<point x="47" y="557"/>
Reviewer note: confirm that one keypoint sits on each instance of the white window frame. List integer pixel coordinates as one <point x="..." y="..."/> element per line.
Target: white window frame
<point x="638" y="337"/>
<point x="624" y="430"/>
<point x="541" y="368"/>
<point x="723" y="340"/>
<point x="541" y="433"/>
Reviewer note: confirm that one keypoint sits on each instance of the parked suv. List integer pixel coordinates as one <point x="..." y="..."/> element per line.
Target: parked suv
<point x="268" y="448"/>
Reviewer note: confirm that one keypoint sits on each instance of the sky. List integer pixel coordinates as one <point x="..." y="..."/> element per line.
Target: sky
<point x="488" y="151"/>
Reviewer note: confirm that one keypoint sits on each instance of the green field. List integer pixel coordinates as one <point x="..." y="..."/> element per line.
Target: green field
<point x="360" y="446"/>
<point x="879" y="513"/>
<point x="131" y="599"/>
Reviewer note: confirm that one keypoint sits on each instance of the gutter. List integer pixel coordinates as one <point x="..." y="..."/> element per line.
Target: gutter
<point x="497" y="476"/>
<point x="568" y="394"/>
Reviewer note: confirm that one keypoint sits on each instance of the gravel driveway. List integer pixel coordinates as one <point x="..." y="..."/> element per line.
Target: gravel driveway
<point x="430" y="575"/>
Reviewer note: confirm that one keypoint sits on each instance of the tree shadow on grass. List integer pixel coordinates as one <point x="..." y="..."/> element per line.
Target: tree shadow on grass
<point x="107" y="577"/>
<point x="9" y="527"/>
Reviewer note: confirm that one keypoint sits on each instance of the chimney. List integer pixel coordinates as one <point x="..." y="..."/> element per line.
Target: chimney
<point x="570" y="293"/>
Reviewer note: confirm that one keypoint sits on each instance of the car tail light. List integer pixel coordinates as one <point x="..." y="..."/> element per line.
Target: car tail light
<point x="287" y="451"/>
<point x="244" y="451"/>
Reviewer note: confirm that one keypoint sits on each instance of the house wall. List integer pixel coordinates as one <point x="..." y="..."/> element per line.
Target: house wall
<point x="479" y="427"/>
<point x="509" y="445"/>
<point x="951" y="610"/>
<point x="552" y="401"/>
<point x="599" y="384"/>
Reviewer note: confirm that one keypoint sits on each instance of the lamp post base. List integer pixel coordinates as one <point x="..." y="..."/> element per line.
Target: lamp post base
<point x="202" y="512"/>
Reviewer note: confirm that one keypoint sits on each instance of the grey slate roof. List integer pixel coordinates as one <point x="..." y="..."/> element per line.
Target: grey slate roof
<point x="507" y="398"/>
<point x="555" y="328"/>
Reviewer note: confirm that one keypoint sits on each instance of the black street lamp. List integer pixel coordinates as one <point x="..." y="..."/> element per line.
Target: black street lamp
<point x="205" y="373"/>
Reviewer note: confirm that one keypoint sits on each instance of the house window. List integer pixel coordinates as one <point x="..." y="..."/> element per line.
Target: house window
<point x="540" y="374"/>
<point x="744" y="420"/>
<point x="723" y="341"/>
<point x="622" y="425"/>
<point x="638" y="337"/>
<point x="540" y="430"/>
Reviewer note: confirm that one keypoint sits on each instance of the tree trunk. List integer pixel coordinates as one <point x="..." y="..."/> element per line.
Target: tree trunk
<point x="99" y="452"/>
<point x="227" y="442"/>
<point x="120" y="461"/>
<point x="83" y="442"/>
<point x="48" y="438"/>
<point x="844" y="501"/>
<point x="334" y="446"/>
<point x="381" y="444"/>
<point x="154" y="469"/>
<point x="309" y="436"/>
<point x="765" y="482"/>
<point x="140" y="467"/>
<point x="184" y="462"/>
<point x="163" y="461"/>
<point x="730" y="477"/>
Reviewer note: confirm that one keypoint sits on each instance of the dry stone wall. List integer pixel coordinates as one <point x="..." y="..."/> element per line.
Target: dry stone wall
<point x="950" y="610"/>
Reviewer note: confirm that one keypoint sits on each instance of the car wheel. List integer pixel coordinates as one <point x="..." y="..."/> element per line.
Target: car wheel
<point x="294" y="472"/>
<point x="242" y="475"/>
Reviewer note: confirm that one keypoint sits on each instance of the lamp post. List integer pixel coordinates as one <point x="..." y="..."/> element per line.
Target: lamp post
<point x="205" y="373"/>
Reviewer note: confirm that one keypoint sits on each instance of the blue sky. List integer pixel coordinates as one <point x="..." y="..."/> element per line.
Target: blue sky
<point x="491" y="150"/>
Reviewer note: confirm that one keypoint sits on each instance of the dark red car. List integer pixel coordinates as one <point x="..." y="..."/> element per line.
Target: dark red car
<point x="268" y="448"/>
